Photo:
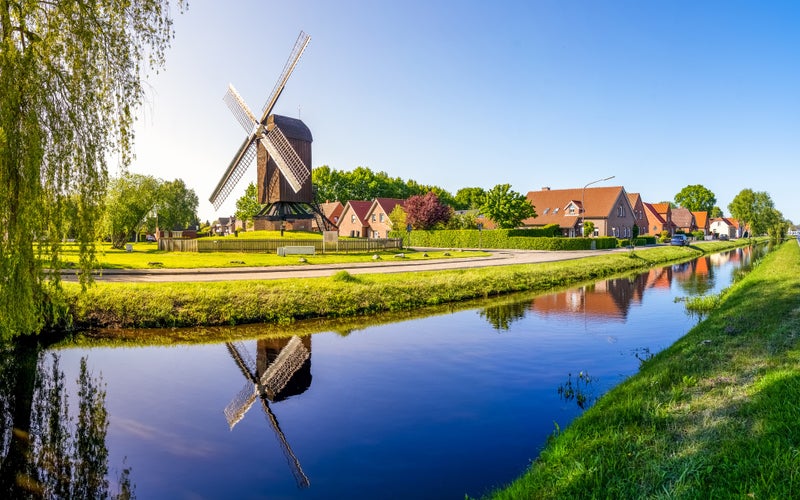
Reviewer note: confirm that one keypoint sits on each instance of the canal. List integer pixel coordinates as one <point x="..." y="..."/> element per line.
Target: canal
<point x="431" y="407"/>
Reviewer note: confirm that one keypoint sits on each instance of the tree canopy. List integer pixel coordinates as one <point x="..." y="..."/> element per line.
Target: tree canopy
<point x="364" y="184"/>
<point x="506" y="207"/>
<point x="756" y="210"/>
<point x="426" y="211"/>
<point x="469" y="198"/>
<point x="71" y="77"/>
<point x="696" y="198"/>
<point x="248" y="206"/>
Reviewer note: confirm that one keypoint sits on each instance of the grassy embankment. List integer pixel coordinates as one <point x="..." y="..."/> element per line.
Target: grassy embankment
<point x="283" y="301"/>
<point x="717" y="415"/>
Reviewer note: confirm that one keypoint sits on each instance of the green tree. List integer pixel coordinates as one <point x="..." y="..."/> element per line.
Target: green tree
<point x="469" y="198"/>
<point x="696" y="198"/>
<point x="71" y="77"/>
<point x="506" y="207"/>
<point x="176" y="205"/>
<point x="247" y="207"/>
<point x="398" y="218"/>
<point x="755" y="209"/>
<point x="130" y="202"/>
<point x="716" y="212"/>
<point x="588" y="228"/>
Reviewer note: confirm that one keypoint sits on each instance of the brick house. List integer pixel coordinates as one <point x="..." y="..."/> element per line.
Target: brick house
<point x="683" y="219"/>
<point x="702" y="221"/>
<point x="659" y="218"/>
<point x="353" y="221"/>
<point x="333" y="212"/>
<point x="638" y="211"/>
<point x="607" y="207"/>
<point x="378" y="217"/>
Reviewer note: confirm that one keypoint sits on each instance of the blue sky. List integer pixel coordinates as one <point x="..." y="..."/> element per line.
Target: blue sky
<point x="659" y="94"/>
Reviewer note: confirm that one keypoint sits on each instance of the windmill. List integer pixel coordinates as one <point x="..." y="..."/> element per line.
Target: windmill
<point x="282" y="148"/>
<point x="272" y="378"/>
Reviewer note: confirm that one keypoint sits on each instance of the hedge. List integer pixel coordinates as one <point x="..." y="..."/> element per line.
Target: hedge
<point x="514" y="239"/>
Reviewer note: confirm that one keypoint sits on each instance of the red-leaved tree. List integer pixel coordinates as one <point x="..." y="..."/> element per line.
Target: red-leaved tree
<point x="426" y="211"/>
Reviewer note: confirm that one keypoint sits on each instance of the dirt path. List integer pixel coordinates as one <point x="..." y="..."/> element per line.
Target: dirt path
<point x="386" y="265"/>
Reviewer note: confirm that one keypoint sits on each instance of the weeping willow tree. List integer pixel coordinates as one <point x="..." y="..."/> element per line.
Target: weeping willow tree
<point x="71" y="75"/>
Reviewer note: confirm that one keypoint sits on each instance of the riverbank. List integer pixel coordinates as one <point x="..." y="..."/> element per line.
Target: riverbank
<point x="282" y="301"/>
<point x="714" y="416"/>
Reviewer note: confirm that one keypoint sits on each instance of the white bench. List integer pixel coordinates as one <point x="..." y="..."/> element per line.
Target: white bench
<point x="295" y="250"/>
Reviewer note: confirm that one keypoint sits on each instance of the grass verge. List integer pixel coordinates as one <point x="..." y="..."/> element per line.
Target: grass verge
<point x="284" y="301"/>
<point x="717" y="415"/>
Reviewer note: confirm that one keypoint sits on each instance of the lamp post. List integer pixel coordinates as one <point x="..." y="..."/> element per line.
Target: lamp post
<point x="583" y="195"/>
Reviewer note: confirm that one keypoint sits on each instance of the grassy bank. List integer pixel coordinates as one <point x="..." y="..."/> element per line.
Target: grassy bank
<point x="283" y="301"/>
<point x="717" y="415"/>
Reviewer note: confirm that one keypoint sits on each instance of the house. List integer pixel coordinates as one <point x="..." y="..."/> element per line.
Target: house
<point x="353" y="221"/>
<point x="637" y="205"/>
<point x="332" y="211"/>
<point x="225" y="226"/>
<point x="378" y="217"/>
<point x="702" y="221"/>
<point x="607" y="207"/>
<point x="659" y="218"/>
<point x="724" y="228"/>
<point x="683" y="219"/>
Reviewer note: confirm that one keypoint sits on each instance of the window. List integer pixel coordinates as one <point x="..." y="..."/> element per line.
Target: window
<point x="381" y="217"/>
<point x="555" y="210"/>
<point x="596" y="232"/>
<point x="373" y="217"/>
<point x="545" y="211"/>
<point x="353" y="218"/>
<point x="572" y="209"/>
<point x="621" y="210"/>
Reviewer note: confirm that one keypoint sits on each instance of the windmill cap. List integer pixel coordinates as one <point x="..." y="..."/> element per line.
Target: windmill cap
<point x="292" y="128"/>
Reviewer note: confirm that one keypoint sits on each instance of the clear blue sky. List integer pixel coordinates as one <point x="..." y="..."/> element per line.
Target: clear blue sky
<point x="660" y="94"/>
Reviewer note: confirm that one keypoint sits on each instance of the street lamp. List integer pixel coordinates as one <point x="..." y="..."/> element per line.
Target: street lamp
<point x="583" y="195"/>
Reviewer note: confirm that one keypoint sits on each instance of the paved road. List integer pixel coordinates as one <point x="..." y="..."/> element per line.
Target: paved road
<point x="386" y="265"/>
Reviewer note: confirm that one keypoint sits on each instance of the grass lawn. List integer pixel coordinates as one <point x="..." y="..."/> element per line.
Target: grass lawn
<point x="717" y="415"/>
<point x="145" y="255"/>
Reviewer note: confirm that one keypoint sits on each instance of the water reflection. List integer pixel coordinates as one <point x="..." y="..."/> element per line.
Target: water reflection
<point x="282" y="369"/>
<point x="45" y="452"/>
<point x="611" y="300"/>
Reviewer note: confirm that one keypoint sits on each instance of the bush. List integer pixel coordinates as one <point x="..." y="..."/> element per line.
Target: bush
<point x="515" y="239"/>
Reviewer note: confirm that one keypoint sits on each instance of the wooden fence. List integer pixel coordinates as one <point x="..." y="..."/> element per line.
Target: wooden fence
<point x="271" y="246"/>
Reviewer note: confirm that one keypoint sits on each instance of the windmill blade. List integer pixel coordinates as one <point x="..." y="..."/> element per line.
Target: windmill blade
<point x="243" y="360"/>
<point x="280" y="372"/>
<point x="297" y="51"/>
<point x="239" y="109"/>
<point x="294" y="464"/>
<point x="286" y="158"/>
<point x="239" y="405"/>
<point x="237" y="168"/>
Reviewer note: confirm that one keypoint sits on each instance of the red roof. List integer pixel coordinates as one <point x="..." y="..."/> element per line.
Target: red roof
<point x="360" y="208"/>
<point x="553" y="205"/>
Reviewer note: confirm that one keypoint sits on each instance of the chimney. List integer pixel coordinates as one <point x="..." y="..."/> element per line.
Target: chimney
<point x="545" y="188"/>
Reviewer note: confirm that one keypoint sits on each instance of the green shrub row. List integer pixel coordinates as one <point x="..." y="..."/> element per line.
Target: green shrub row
<point x="514" y="239"/>
<point x="640" y="241"/>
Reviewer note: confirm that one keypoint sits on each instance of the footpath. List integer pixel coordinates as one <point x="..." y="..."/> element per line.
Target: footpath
<point x="385" y="265"/>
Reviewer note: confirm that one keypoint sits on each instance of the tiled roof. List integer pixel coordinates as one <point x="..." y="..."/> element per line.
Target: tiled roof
<point x="682" y="217"/>
<point x="360" y="208"/>
<point x="388" y="204"/>
<point x="331" y="209"/>
<point x="651" y="212"/>
<point x="552" y="205"/>
<point x="701" y="219"/>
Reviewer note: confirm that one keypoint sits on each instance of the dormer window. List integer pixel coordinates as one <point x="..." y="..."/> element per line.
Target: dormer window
<point x="572" y="209"/>
<point x="555" y="210"/>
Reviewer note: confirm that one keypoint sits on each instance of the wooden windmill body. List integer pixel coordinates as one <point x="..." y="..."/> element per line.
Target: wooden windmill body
<point x="282" y="148"/>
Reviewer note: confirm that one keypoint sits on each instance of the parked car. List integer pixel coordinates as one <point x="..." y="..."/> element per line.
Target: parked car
<point x="679" y="240"/>
<point x="151" y="237"/>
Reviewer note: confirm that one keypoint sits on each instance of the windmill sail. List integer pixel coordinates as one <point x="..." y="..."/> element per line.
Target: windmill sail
<point x="297" y="51"/>
<point x="286" y="158"/>
<point x="239" y="109"/>
<point x="237" y="168"/>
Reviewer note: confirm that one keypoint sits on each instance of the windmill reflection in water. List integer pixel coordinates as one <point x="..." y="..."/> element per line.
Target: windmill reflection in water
<point x="282" y="369"/>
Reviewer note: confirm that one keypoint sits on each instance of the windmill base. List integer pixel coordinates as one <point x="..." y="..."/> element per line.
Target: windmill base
<point x="291" y="215"/>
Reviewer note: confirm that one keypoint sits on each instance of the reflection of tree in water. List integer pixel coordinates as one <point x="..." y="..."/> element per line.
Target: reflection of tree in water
<point x="501" y="316"/>
<point x="698" y="278"/>
<point x="45" y="452"/>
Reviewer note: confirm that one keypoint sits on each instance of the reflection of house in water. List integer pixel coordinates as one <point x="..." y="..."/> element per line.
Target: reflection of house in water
<point x="282" y="369"/>
<point x="607" y="300"/>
